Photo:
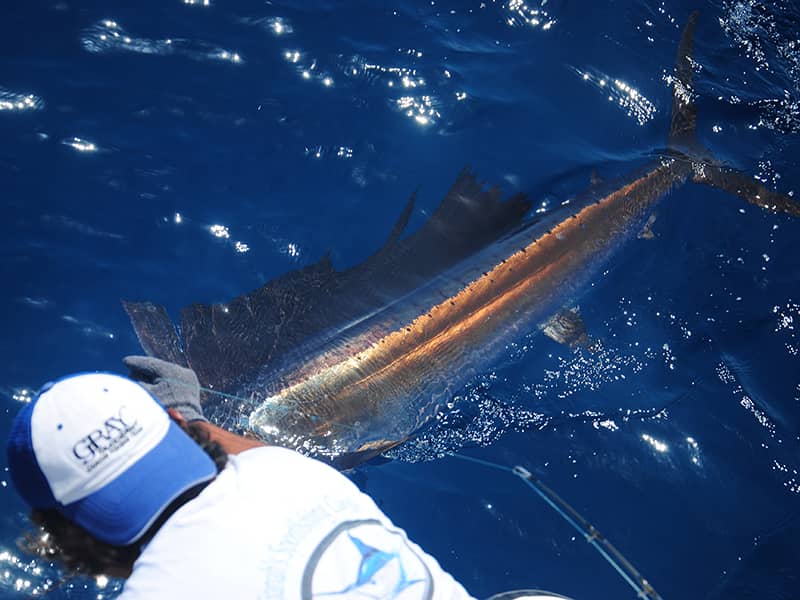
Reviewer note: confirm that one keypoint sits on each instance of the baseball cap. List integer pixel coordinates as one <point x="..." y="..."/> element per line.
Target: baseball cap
<point x="98" y="448"/>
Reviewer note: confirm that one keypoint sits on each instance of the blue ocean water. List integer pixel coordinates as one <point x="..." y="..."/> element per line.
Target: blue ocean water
<point x="189" y="151"/>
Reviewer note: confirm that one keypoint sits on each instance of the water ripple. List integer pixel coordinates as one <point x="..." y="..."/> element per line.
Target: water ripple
<point x="14" y="101"/>
<point x="109" y="36"/>
<point x="766" y="32"/>
<point x="620" y="93"/>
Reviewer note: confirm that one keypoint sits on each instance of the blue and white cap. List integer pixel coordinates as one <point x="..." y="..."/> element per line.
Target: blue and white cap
<point x="103" y="452"/>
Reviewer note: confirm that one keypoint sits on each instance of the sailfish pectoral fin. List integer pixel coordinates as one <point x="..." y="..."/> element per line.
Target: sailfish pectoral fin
<point x="646" y="232"/>
<point x="364" y="453"/>
<point x="683" y="139"/>
<point x="567" y="327"/>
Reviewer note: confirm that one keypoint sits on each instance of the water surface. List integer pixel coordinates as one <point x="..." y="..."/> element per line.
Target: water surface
<point x="190" y="151"/>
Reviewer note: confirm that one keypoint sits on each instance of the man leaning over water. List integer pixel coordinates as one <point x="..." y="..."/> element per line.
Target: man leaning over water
<point x="123" y="486"/>
<point x="183" y="509"/>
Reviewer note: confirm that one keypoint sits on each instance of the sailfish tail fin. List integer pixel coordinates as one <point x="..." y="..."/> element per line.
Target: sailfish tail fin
<point x="747" y="188"/>
<point x="683" y="127"/>
<point x="683" y="139"/>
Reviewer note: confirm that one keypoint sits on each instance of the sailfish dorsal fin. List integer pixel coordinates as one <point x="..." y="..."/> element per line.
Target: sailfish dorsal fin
<point x="225" y="342"/>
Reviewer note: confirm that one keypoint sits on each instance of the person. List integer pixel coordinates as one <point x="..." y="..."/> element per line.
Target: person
<point x="119" y="488"/>
<point x="127" y="478"/>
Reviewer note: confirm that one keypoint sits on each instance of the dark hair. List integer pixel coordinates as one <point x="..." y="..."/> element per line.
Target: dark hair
<point x="80" y="553"/>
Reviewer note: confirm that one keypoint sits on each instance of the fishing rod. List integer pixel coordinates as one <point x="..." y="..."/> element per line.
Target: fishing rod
<point x="589" y="532"/>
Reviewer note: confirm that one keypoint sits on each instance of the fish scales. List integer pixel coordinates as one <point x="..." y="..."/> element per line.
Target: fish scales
<point x="396" y="376"/>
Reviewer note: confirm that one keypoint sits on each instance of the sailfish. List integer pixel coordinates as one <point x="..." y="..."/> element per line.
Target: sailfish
<point x="346" y="364"/>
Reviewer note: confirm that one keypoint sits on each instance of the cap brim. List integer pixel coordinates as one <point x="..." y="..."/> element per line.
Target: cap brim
<point x="123" y="510"/>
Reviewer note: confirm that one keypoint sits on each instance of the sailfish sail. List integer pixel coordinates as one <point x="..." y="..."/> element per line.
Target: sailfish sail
<point x="231" y="345"/>
<point x="348" y="363"/>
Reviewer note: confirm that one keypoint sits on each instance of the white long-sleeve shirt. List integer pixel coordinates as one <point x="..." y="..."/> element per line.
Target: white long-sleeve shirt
<point x="278" y="525"/>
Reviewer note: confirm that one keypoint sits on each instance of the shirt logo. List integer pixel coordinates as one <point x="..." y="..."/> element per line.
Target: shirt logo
<point x="364" y="559"/>
<point x="98" y="445"/>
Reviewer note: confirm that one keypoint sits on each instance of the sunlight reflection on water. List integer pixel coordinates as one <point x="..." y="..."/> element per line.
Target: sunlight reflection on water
<point x="12" y="101"/>
<point x="109" y="36"/>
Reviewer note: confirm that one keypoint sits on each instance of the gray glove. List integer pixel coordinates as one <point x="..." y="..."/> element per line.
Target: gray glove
<point x="174" y="386"/>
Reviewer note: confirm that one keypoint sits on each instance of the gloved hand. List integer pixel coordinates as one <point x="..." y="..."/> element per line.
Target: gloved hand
<point x="174" y="386"/>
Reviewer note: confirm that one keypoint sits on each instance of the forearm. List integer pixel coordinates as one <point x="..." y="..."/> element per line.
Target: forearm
<point x="230" y="442"/>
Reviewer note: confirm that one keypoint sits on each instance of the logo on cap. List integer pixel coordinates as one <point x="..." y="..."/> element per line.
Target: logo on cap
<point x="94" y="448"/>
